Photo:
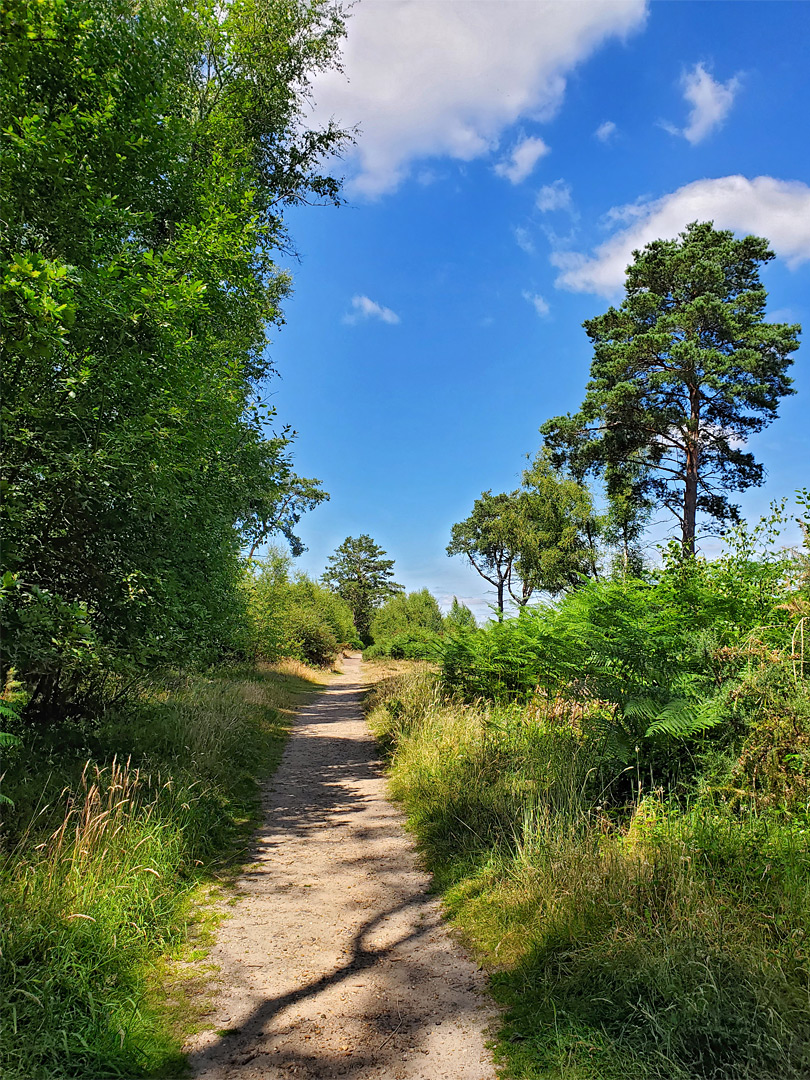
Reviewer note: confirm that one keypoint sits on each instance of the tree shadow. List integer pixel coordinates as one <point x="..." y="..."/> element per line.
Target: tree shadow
<point x="419" y="988"/>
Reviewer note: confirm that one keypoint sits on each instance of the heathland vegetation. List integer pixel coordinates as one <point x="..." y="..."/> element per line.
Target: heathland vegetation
<point x="613" y="787"/>
<point x="611" y="781"/>
<point x="613" y="793"/>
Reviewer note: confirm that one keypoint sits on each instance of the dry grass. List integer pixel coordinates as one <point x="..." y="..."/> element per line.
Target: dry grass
<point x="377" y="669"/>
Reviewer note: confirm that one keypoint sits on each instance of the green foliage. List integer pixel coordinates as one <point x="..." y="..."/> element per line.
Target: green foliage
<point x="648" y="941"/>
<point x="406" y="627"/>
<point x="459" y="618"/>
<point x="540" y="538"/>
<point x="360" y="575"/>
<point x="490" y="539"/>
<point x="561" y="530"/>
<point x="667" y="658"/>
<point x="101" y="859"/>
<point x="7" y="740"/>
<point x="684" y="372"/>
<point x="148" y="152"/>
<point x="293" y="616"/>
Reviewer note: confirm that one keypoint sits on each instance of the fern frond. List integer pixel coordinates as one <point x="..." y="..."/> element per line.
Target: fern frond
<point x="642" y="709"/>
<point x="684" y="719"/>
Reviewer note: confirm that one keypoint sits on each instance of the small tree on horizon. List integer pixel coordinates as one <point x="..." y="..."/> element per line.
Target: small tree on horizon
<point x="459" y="617"/>
<point x="359" y="574"/>
<point x="540" y="538"/>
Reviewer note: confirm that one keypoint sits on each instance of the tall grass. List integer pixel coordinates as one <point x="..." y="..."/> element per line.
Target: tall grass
<point x="651" y="940"/>
<point x="96" y="886"/>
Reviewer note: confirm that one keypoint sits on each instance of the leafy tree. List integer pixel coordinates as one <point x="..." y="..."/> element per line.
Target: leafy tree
<point x="459" y="617"/>
<point x="359" y="574"/>
<point x="490" y="539"/>
<point x="562" y="529"/>
<point x="539" y="538"/>
<point x="279" y="507"/>
<point x="291" y="615"/>
<point x="684" y="372"/>
<point x="405" y="612"/>
<point x="148" y="152"/>
<point x="628" y="513"/>
<point x="406" y="626"/>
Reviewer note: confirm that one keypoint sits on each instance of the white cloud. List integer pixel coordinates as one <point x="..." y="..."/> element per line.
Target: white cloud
<point x="426" y="78"/>
<point x="523" y="239"/>
<point x="606" y="131"/>
<point x="537" y="302"/>
<point x="363" y="308"/>
<point x="556" y="196"/>
<point x="711" y="102"/>
<point x="522" y="160"/>
<point x="764" y="206"/>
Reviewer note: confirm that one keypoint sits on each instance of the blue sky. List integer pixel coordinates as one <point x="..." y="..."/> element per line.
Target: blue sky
<point x="511" y="155"/>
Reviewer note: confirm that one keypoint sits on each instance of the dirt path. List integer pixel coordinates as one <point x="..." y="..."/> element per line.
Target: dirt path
<point x="335" y="962"/>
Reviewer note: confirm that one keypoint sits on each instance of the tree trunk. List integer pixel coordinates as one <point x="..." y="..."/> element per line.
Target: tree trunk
<point x="691" y="474"/>
<point x="500" y="599"/>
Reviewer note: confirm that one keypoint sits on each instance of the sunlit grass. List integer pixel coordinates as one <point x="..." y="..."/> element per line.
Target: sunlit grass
<point x="104" y="882"/>
<point x="656" y="940"/>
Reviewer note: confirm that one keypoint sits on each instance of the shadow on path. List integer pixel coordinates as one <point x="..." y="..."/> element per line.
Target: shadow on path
<point x="335" y="963"/>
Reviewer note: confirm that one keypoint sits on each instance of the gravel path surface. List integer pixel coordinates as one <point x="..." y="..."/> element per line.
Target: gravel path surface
<point x="335" y="962"/>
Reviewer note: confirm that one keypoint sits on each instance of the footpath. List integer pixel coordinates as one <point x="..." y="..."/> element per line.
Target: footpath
<point x="334" y="961"/>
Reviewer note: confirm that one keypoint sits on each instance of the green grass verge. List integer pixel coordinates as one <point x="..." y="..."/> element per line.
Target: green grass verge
<point x="662" y="943"/>
<point x="106" y="863"/>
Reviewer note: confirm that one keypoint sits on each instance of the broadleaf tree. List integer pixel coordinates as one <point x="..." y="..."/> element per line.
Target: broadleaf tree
<point x="684" y="372"/>
<point x="541" y="538"/>
<point x="490" y="539"/>
<point x="148" y="152"/>
<point x="363" y="577"/>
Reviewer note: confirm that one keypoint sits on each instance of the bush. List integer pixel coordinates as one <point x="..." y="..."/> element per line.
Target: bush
<point x="293" y="616"/>
<point x="669" y="656"/>
<point x="406" y="628"/>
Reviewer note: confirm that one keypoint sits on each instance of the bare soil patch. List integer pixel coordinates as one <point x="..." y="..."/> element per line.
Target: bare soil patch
<point x="335" y="961"/>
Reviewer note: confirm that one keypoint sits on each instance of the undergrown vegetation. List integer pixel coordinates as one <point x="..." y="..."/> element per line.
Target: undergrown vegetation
<point x="412" y="627"/>
<point x="115" y="826"/>
<point x="613" y="793"/>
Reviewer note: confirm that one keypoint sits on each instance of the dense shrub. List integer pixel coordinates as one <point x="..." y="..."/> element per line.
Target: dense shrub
<point x="672" y="659"/>
<point x="293" y="616"/>
<point x="409" y="627"/>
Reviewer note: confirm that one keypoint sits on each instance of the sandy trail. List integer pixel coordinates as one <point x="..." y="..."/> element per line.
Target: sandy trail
<point x="335" y="962"/>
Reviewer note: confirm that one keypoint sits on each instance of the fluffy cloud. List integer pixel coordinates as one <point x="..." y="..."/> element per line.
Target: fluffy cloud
<point x="556" y="196"/>
<point x="363" y="308"/>
<point x="606" y="131"/>
<point x="538" y="303"/>
<point x="426" y="78"/>
<point x="776" y="209"/>
<point x="522" y="160"/>
<point x="710" y="101"/>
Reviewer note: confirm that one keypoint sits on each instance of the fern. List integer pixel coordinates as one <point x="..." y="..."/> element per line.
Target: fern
<point x="685" y="719"/>
<point x="8" y="740"/>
